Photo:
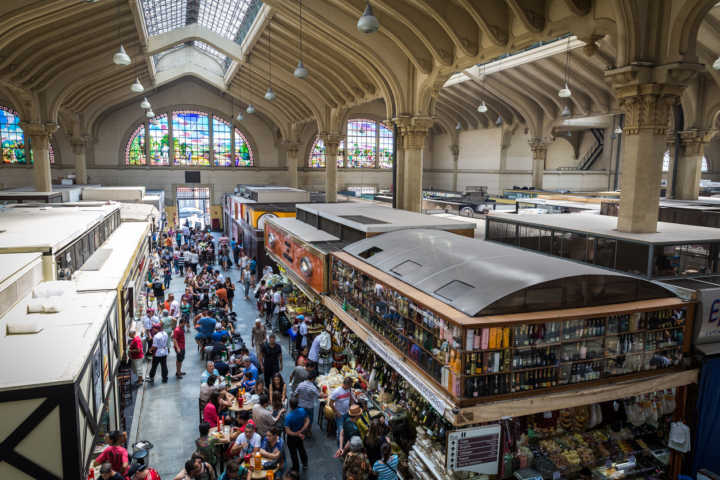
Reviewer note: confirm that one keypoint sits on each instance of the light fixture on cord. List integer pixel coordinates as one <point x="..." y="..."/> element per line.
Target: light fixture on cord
<point x="458" y="127"/>
<point x="482" y="108"/>
<point x="150" y="113"/>
<point x="145" y="104"/>
<point x="137" y="87"/>
<point x="565" y="91"/>
<point x="250" y="109"/>
<point x="121" y="57"/>
<point x="269" y="95"/>
<point x="368" y="23"/>
<point x="618" y="130"/>
<point x="154" y="121"/>
<point x="565" y="112"/>
<point x="300" y="71"/>
<point x="716" y="64"/>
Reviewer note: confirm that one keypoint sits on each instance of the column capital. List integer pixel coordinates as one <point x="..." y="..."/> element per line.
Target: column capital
<point x="331" y="138"/>
<point x="38" y="129"/>
<point x="79" y="144"/>
<point x="539" y="147"/>
<point x="693" y="141"/>
<point x="292" y="148"/>
<point x="413" y="130"/>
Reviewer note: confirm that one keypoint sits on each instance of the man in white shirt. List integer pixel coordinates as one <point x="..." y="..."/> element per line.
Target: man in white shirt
<point x="194" y="259"/>
<point x="159" y="351"/>
<point x="314" y="353"/>
<point x="247" y="443"/>
<point x="147" y="323"/>
<point x="174" y="307"/>
<point x="340" y="400"/>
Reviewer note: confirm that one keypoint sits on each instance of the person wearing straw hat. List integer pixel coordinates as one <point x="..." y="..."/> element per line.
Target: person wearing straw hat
<point x="349" y="429"/>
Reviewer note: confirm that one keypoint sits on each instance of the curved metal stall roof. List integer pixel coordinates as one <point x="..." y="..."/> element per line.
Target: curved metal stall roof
<point x="485" y="278"/>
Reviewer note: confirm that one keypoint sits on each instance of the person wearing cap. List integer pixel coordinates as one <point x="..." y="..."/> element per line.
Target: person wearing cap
<point x="107" y="473"/>
<point x="140" y="471"/>
<point x="349" y="429"/>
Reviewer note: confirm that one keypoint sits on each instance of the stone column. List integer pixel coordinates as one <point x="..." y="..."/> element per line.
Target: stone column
<point x="689" y="168"/>
<point x="79" y="146"/>
<point x="647" y="109"/>
<point x="39" y="134"/>
<point x="539" y="155"/>
<point x="331" y="141"/>
<point x="292" y="166"/>
<point x="455" y="150"/>
<point x="413" y="130"/>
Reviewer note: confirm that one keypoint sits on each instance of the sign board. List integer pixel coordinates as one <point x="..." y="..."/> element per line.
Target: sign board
<point x="417" y="383"/>
<point x="708" y="325"/>
<point x="474" y="449"/>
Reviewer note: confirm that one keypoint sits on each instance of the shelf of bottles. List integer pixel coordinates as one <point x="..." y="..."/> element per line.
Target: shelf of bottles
<point x="484" y="362"/>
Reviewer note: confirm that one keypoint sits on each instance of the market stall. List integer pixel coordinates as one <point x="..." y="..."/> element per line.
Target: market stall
<point x="479" y="343"/>
<point x="60" y="397"/>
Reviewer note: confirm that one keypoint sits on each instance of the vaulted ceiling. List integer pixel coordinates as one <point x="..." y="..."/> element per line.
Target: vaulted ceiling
<point x="56" y="55"/>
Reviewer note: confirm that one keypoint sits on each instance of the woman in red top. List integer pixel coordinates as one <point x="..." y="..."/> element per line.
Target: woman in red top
<point x="212" y="410"/>
<point x="135" y="350"/>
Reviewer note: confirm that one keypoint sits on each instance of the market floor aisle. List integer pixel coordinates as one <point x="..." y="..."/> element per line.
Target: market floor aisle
<point x="169" y="411"/>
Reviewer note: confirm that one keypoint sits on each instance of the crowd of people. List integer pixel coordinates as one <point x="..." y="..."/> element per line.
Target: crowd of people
<point x="284" y="411"/>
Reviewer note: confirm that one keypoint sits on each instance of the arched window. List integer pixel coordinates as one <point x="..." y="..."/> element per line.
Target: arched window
<point x="14" y="149"/>
<point x="317" y="154"/>
<point x="666" y="163"/>
<point x="369" y="145"/>
<point x="191" y="138"/>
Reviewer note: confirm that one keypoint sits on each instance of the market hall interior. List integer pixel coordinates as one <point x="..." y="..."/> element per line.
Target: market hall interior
<point x="467" y="208"/>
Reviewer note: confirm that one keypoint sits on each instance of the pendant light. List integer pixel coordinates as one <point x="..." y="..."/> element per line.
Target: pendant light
<point x="300" y="71"/>
<point x="150" y="113"/>
<point x="368" y="23"/>
<point x="137" y="87"/>
<point x="482" y="108"/>
<point x="239" y="117"/>
<point x="250" y="109"/>
<point x="565" y="112"/>
<point x="121" y="57"/>
<point x="565" y="91"/>
<point x="145" y="104"/>
<point x="716" y="64"/>
<point x="269" y="95"/>
<point x="154" y="121"/>
<point x="618" y="130"/>
<point x="458" y="127"/>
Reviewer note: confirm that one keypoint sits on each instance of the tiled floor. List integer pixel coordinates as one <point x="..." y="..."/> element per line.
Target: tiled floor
<point x="169" y="412"/>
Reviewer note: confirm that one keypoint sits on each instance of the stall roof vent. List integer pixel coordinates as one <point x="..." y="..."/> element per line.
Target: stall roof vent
<point x="406" y="267"/>
<point x="362" y="219"/>
<point x="369" y="252"/>
<point x="453" y="290"/>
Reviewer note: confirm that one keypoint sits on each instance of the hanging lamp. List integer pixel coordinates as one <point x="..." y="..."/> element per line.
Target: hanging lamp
<point x="250" y="109"/>
<point x="137" y="87"/>
<point x="458" y="126"/>
<point x="618" y="130"/>
<point x="300" y="71"/>
<point x="716" y="64"/>
<point x="121" y="57"/>
<point x="269" y="95"/>
<point x="565" y="112"/>
<point x="482" y="108"/>
<point x="368" y="23"/>
<point x="145" y="104"/>
<point x="565" y="91"/>
<point x="150" y="113"/>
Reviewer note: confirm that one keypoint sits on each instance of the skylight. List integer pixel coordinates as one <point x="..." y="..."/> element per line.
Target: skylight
<point x="230" y="19"/>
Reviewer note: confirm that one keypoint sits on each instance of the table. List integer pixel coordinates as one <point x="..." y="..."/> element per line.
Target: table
<point x="220" y="445"/>
<point x="247" y="406"/>
<point x="224" y="440"/>
<point x="259" y="474"/>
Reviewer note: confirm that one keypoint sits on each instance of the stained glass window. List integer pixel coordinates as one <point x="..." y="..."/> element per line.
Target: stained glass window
<point x="362" y="144"/>
<point x="222" y="142"/>
<point x="135" y="149"/>
<point x="666" y="163"/>
<point x="385" y="158"/>
<point x="191" y="135"/>
<point x="190" y="141"/>
<point x="159" y="140"/>
<point x="317" y="154"/>
<point x="11" y="135"/>
<point x="243" y="154"/>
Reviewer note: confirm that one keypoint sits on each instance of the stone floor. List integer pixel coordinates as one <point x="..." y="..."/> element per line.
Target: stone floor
<point x="169" y="412"/>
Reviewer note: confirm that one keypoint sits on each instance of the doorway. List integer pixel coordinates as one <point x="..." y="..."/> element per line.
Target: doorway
<point x="193" y="206"/>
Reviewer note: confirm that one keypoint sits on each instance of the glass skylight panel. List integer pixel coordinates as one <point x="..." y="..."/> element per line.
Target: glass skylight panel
<point x="164" y="15"/>
<point x="223" y="16"/>
<point x="210" y="50"/>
